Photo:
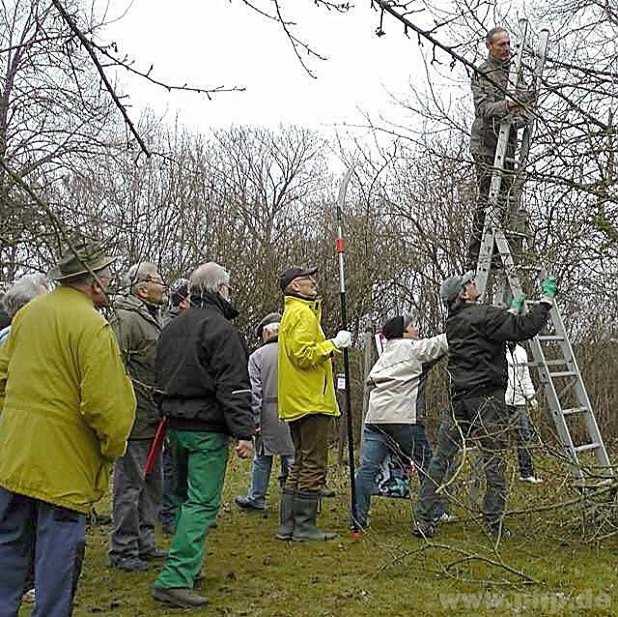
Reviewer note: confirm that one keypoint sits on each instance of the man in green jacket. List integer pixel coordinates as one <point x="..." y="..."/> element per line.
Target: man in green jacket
<point x="306" y="400"/>
<point x="67" y="407"/>
<point x="136" y="497"/>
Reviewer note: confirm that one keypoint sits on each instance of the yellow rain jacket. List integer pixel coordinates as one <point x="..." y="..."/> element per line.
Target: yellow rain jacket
<point x="67" y="405"/>
<point x="305" y="372"/>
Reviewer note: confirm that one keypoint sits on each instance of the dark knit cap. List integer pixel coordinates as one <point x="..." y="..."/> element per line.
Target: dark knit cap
<point x="393" y="328"/>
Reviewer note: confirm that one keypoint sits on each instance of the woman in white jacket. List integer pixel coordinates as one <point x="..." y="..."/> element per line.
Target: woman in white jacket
<point x="519" y="396"/>
<point x="396" y="404"/>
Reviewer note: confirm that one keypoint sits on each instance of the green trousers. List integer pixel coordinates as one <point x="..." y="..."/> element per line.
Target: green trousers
<point x="202" y="459"/>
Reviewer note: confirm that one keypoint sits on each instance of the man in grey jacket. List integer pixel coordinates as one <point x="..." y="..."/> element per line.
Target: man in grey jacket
<point x="273" y="435"/>
<point x="491" y="107"/>
<point x="136" y="498"/>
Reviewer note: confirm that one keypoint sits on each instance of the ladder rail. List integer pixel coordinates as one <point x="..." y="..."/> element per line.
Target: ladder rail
<point x="581" y="393"/>
<point x="530" y="128"/>
<point x="555" y="409"/>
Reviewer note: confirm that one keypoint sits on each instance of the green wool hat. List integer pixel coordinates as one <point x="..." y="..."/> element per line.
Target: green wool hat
<point x="81" y="257"/>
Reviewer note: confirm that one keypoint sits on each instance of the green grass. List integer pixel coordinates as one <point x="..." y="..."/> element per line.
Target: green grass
<point x="387" y="572"/>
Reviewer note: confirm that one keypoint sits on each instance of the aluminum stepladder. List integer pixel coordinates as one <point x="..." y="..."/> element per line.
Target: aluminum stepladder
<point x="552" y="351"/>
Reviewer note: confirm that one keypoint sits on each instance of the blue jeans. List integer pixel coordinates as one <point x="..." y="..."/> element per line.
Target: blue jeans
<point x="483" y="419"/>
<point x="408" y="442"/>
<point x="260" y="477"/>
<point x="60" y="538"/>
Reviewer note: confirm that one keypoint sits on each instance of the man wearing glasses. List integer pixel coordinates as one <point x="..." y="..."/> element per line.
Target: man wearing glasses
<point x="136" y="498"/>
<point x="306" y="401"/>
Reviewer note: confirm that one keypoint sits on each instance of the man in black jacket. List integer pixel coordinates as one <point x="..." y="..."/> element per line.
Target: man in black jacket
<point x="178" y="303"/>
<point x="477" y="335"/>
<point x="205" y="394"/>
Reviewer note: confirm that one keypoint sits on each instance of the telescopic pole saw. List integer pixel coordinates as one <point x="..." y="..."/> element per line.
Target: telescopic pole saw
<point x="340" y="247"/>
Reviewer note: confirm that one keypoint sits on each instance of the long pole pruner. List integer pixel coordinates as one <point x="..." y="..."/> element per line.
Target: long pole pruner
<point x="340" y="247"/>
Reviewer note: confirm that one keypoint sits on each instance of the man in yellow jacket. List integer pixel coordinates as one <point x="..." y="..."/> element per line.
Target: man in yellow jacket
<point x="67" y="407"/>
<point x="307" y="401"/>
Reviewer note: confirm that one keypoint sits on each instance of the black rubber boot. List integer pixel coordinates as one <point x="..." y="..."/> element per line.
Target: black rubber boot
<point x="286" y="515"/>
<point x="305" y="513"/>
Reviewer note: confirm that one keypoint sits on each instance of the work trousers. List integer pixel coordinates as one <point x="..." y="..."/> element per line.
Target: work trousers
<point x="169" y="506"/>
<point x="407" y="442"/>
<point x="485" y="421"/>
<point x="519" y="417"/>
<point x="310" y="436"/>
<point x="201" y="459"/>
<point x="260" y="476"/>
<point x="136" y="501"/>
<point x="52" y="537"/>
<point x="484" y="170"/>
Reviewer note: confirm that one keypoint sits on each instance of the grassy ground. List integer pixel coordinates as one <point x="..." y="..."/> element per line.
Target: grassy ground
<point x="387" y="572"/>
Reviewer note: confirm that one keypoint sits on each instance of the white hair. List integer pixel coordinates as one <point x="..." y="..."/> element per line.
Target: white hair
<point x="138" y="273"/>
<point x="23" y="290"/>
<point x="208" y="277"/>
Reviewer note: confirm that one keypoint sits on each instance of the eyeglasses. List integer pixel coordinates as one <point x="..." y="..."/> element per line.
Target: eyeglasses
<point x="157" y="282"/>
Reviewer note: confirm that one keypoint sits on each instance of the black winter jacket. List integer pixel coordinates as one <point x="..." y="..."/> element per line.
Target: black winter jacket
<point x="477" y="335"/>
<point x="201" y="370"/>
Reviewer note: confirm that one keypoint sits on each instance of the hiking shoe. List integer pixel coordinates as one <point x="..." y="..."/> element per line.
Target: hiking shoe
<point x="154" y="554"/>
<point x="244" y="503"/>
<point x="129" y="564"/>
<point x="421" y="529"/>
<point x="530" y="479"/>
<point x="447" y="518"/>
<point x="181" y="597"/>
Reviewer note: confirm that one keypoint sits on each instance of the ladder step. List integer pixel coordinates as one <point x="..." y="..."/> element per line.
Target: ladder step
<point x="545" y="363"/>
<point x="550" y="338"/>
<point x="511" y="233"/>
<point x="548" y="363"/>
<point x="586" y="447"/>
<point x="563" y="374"/>
<point x="573" y="410"/>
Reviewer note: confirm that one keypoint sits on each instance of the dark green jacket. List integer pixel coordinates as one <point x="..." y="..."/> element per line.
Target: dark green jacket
<point x="489" y="106"/>
<point x="138" y="332"/>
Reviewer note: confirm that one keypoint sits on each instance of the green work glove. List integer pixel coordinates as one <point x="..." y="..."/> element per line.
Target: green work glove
<point x="549" y="287"/>
<point x="517" y="305"/>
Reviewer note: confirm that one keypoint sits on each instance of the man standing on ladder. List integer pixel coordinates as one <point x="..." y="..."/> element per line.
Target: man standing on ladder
<point x="491" y="107"/>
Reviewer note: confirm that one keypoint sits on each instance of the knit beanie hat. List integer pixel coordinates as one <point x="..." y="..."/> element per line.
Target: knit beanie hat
<point x="393" y="328"/>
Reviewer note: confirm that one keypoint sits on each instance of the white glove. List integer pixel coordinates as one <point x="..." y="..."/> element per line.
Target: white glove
<point x="343" y="339"/>
<point x="533" y="404"/>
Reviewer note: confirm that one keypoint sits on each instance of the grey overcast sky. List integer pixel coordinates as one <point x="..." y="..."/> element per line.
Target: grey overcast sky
<point x="214" y="42"/>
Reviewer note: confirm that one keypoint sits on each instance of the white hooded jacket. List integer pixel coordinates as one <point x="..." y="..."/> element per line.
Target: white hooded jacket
<point x="396" y="376"/>
<point x="520" y="388"/>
